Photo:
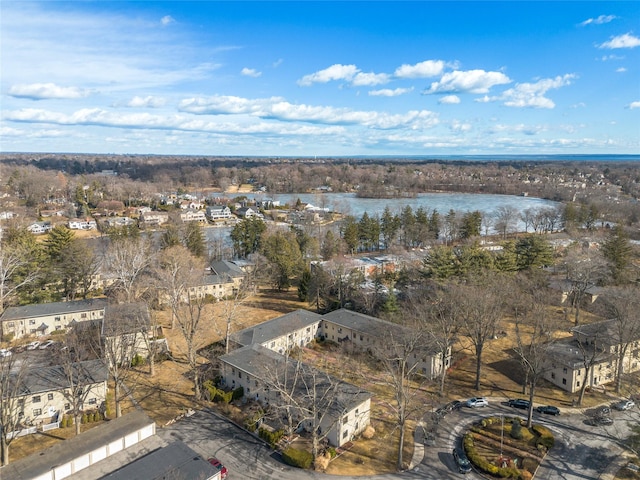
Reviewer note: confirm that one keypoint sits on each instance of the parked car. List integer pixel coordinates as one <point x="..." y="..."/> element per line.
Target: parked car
<point x="5" y="352"/>
<point x="624" y="405"/>
<point x="46" y="345"/>
<point x="476" y="402"/>
<point x="462" y="462"/>
<point x="454" y="405"/>
<point x="221" y="468"/>
<point x="603" y="411"/>
<point x="519" y="403"/>
<point x="33" y="345"/>
<point x="548" y="409"/>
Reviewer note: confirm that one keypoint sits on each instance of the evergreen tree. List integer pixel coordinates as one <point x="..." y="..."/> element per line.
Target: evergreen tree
<point x="171" y="236"/>
<point x="350" y="234"/>
<point x="58" y="239"/>
<point x="193" y="239"/>
<point x="282" y="250"/>
<point x="247" y="236"/>
<point x="303" y="287"/>
<point x="389" y="227"/>
<point x="408" y="221"/>
<point x="440" y="263"/>
<point x="471" y="224"/>
<point x="533" y="251"/>
<point x="617" y="250"/>
<point x="329" y="248"/>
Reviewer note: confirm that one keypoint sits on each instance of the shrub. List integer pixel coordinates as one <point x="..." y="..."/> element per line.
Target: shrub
<point x="546" y="439"/>
<point x="85" y="418"/>
<point x="251" y="423"/>
<point x="516" y="429"/>
<point x="137" y="360"/>
<point x="368" y="433"/>
<point x="332" y="452"/>
<point x="237" y="394"/>
<point x="297" y="458"/>
<point x="58" y="332"/>
<point x="272" y="438"/>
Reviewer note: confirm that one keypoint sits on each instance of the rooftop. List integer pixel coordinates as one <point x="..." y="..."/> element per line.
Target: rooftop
<point x="276" y="327"/>
<point x="55" y="308"/>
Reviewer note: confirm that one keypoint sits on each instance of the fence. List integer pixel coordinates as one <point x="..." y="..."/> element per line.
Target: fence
<point x="50" y="426"/>
<point x="22" y="433"/>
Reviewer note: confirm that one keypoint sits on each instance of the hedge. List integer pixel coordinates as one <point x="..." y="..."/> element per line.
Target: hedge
<point x="272" y="438"/>
<point x="484" y="465"/>
<point x="219" y="395"/>
<point x="546" y="439"/>
<point x="297" y="458"/>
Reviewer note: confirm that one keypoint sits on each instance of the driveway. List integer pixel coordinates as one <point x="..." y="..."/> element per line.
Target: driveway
<point x="582" y="452"/>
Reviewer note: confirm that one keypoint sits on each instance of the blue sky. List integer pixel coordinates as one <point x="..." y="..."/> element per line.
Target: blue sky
<point x="320" y="78"/>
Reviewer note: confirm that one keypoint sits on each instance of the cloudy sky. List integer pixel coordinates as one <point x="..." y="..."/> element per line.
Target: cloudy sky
<point x="320" y="78"/>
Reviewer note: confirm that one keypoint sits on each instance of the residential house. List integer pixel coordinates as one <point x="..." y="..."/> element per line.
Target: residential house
<point x="153" y="219"/>
<point x="126" y="331"/>
<point x="191" y="205"/>
<point x="44" y="318"/>
<point x="369" y="267"/>
<point x="595" y="345"/>
<point x="247" y="212"/>
<point x="42" y="394"/>
<point x="82" y="224"/>
<point x="343" y="409"/>
<point x="118" y="222"/>
<point x="365" y="332"/>
<point x="281" y="334"/>
<point x="193" y="216"/>
<point x="218" y="212"/>
<point x="38" y="228"/>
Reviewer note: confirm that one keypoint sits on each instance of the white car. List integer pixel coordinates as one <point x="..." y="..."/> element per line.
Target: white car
<point x="5" y="353"/>
<point x="624" y="405"/>
<point x="476" y="402"/>
<point x="46" y="345"/>
<point x="33" y="345"/>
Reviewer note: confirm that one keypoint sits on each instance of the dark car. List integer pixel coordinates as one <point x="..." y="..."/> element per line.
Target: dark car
<point x="462" y="462"/>
<point x="221" y="468"/>
<point x="548" y="409"/>
<point x="519" y="403"/>
<point x="603" y="411"/>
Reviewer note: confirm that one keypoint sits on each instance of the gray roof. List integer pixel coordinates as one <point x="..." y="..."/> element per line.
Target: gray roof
<point x="607" y="331"/>
<point x="571" y="354"/>
<point x="223" y="267"/>
<point x="264" y="363"/>
<point x="175" y="461"/>
<point x="56" y="308"/>
<point x="55" y="378"/>
<point x="63" y="452"/>
<point x="375" y="327"/>
<point x="276" y="327"/>
<point x="125" y="318"/>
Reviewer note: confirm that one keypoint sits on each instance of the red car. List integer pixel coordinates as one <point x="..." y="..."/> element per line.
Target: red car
<point x="221" y="468"/>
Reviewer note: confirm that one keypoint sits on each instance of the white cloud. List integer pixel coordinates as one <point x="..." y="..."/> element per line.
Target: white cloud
<point x="147" y="102"/>
<point x="633" y="105"/>
<point x="279" y="109"/>
<point x="598" y="20"/>
<point x="625" y="40"/>
<point x="277" y="63"/>
<point x="334" y="72"/>
<point x="472" y="81"/>
<point x="606" y="58"/>
<point x="460" y="127"/>
<point x="428" y="68"/>
<point x="41" y="91"/>
<point x="104" y="118"/>
<point x="387" y="92"/>
<point x="621" y="70"/>
<point x="250" y="72"/>
<point x="449" y="100"/>
<point x="369" y="79"/>
<point x="532" y="94"/>
<point x="167" y="20"/>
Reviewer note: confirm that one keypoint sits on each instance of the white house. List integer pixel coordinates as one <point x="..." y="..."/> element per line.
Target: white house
<point x="82" y="224"/>
<point x="153" y="219"/>
<point x="218" y="212"/>
<point x="343" y="409"/>
<point x="38" y="228"/>
<point x="193" y="216"/>
<point x="44" y="318"/>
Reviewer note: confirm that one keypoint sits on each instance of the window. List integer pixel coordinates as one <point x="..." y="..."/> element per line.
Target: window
<point x="345" y="433"/>
<point x="564" y="370"/>
<point x="577" y="384"/>
<point x="36" y="399"/>
<point x="564" y="381"/>
<point x="37" y="412"/>
<point x="10" y="324"/>
<point x="256" y="383"/>
<point x="92" y="401"/>
<point x="49" y="396"/>
<point x="579" y="373"/>
<point x="83" y="315"/>
<point x="32" y="321"/>
<point x="57" y="319"/>
<point x="239" y="374"/>
<point x="58" y="327"/>
<point x="345" y="419"/>
<point x="67" y="406"/>
<point x="357" y="411"/>
<point x="553" y="375"/>
<point x="273" y="344"/>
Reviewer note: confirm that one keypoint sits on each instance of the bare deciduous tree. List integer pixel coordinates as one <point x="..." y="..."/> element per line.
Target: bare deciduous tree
<point x="585" y="270"/>
<point x="12" y="376"/>
<point x="127" y="258"/>
<point x="15" y="272"/>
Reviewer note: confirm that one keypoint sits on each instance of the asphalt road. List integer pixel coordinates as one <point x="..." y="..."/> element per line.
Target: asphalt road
<point x="582" y="451"/>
